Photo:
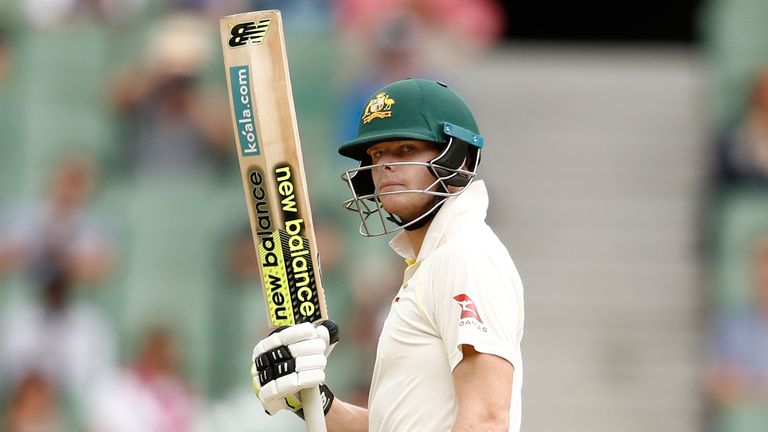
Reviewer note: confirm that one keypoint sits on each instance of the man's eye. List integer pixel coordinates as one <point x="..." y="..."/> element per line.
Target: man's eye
<point x="376" y="154"/>
<point x="407" y="149"/>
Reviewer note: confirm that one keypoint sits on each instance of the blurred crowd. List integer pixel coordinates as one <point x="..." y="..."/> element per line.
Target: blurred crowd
<point x="129" y="286"/>
<point x="736" y="368"/>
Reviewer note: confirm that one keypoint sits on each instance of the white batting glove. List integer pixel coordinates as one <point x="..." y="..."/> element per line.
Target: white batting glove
<point x="292" y="359"/>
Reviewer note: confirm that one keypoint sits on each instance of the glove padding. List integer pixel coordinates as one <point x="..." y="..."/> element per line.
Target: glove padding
<point x="289" y="360"/>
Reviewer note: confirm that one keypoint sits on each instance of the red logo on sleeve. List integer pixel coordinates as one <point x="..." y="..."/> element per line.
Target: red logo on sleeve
<point x="468" y="309"/>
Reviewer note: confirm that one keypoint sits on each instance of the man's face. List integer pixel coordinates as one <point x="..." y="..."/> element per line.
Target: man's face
<point x="408" y="206"/>
<point x="761" y="275"/>
<point x="73" y="182"/>
<point x="761" y="90"/>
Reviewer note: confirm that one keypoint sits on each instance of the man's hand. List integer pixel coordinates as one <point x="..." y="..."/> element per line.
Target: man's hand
<point x="289" y="360"/>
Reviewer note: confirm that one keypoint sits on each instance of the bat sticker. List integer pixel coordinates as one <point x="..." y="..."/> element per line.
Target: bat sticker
<point x="252" y="31"/>
<point x="286" y="263"/>
<point x="240" y="80"/>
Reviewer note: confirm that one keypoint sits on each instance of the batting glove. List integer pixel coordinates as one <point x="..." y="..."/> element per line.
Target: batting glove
<point x="289" y="360"/>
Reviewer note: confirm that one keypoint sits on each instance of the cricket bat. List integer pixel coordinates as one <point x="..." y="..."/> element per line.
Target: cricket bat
<point x="272" y="171"/>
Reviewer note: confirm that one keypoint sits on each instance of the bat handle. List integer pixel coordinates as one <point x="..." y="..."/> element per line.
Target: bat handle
<point x="313" y="410"/>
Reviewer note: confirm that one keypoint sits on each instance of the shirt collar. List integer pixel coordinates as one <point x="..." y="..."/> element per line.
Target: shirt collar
<point x="469" y="206"/>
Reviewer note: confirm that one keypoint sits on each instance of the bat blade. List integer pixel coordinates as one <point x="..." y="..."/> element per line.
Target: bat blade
<point x="271" y="166"/>
<point x="272" y="171"/>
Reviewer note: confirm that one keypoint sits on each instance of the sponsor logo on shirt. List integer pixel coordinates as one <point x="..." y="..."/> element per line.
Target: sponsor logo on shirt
<point x="468" y="309"/>
<point x="469" y="314"/>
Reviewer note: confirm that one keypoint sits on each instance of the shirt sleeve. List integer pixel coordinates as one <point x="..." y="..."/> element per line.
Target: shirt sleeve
<point x="17" y="228"/>
<point x="477" y="302"/>
<point x="93" y="238"/>
<point x="730" y="339"/>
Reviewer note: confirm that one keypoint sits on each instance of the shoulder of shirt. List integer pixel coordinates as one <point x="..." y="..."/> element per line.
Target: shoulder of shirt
<point x="477" y="245"/>
<point x="475" y="252"/>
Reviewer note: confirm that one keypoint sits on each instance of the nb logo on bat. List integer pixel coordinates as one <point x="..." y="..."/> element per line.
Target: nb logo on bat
<point x="252" y="31"/>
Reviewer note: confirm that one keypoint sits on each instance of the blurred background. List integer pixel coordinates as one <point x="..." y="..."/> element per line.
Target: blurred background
<point x="627" y="163"/>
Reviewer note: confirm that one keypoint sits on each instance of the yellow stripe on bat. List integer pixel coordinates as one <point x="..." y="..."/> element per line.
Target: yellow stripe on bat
<point x="275" y="279"/>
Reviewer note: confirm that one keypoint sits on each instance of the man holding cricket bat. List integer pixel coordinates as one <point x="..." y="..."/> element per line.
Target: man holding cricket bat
<point x="448" y="357"/>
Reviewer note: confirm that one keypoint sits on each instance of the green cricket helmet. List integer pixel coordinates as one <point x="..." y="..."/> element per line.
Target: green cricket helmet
<point x="412" y="109"/>
<point x="421" y="110"/>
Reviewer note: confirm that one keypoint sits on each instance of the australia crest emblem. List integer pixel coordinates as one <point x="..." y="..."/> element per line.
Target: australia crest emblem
<point x="379" y="107"/>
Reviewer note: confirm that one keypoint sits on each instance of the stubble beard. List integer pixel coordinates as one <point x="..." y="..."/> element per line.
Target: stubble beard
<point x="410" y="208"/>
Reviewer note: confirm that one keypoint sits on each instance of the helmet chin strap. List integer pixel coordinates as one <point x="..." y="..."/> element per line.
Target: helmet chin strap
<point x="422" y="220"/>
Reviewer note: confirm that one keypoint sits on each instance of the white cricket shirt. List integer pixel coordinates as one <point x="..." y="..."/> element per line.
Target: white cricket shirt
<point x="463" y="288"/>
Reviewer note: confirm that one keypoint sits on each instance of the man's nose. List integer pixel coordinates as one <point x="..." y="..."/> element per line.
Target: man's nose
<point x="387" y="158"/>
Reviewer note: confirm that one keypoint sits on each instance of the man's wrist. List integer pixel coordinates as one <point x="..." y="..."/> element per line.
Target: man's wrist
<point x="327" y="398"/>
